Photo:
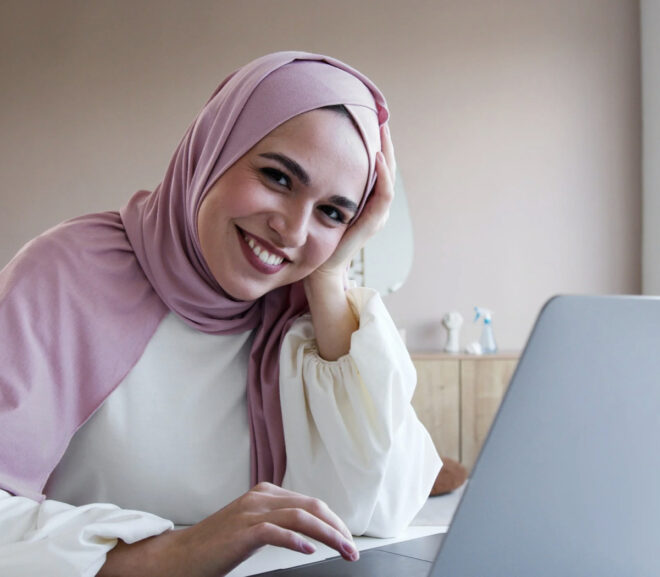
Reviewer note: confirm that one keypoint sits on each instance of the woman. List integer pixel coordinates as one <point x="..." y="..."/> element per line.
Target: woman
<point x="131" y="337"/>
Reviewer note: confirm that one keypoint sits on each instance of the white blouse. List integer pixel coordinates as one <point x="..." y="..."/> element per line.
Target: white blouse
<point x="173" y="440"/>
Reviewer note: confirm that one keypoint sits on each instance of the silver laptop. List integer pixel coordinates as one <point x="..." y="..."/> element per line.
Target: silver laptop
<point x="568" y="480"/>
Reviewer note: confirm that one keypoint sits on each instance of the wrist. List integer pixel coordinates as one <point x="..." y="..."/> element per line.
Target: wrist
<point x="158" y="555"/>
<point x="332" y="316"/>
<point x="324" y="282"/>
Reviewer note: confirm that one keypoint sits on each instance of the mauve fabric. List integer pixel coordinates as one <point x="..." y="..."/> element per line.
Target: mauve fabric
<point x="79" y="303"/>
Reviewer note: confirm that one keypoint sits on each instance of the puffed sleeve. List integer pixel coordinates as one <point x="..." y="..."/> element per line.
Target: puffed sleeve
<point x="352" y="436"/>
<point x="59" y="540"/>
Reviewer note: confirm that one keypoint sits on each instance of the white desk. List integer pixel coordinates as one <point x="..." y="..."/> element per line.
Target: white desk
<point x="434" y="517"/>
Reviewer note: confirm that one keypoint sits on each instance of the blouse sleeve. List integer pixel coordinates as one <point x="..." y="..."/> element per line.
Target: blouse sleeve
<point x="352" y="436"/>
<point x="59" y="540"/>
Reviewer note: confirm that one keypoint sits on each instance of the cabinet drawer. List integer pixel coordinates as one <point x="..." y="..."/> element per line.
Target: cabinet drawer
<point x="457" y="397"/>
<point x="436" y="402"/>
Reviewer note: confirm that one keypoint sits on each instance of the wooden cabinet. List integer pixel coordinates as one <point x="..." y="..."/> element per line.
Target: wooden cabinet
<point x="457" y="397"/>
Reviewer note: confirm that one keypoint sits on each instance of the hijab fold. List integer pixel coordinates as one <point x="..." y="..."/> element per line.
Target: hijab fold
<point x="79" y="304"/>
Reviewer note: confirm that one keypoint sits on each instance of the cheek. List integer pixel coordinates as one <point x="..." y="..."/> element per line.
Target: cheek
<point x="243" y="196"/>
<point x="247" y="202"/>
<point x="324" y="245"/>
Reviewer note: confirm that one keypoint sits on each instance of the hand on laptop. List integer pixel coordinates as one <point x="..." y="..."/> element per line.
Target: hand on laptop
<point x="265" y="515"/>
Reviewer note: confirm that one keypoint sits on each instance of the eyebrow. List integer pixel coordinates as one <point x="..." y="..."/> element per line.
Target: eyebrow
<point x="297" y="170"/>
<point x="301" y="174"/>
<point x="344" y="202"/>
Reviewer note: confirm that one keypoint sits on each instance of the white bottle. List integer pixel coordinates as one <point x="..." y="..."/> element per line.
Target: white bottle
<point x="487" y="341"/>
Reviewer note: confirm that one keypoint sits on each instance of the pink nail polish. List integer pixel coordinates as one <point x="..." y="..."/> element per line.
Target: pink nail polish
<point x="349" y="551"/>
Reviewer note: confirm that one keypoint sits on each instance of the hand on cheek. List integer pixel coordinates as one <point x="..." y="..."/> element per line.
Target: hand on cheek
<point x="374" y="214"/>
<point x="332" y="316"/>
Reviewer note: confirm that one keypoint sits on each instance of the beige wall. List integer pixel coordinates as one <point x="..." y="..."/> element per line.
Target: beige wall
<point x="650" y="36"/>
<point x="517" y="126"/>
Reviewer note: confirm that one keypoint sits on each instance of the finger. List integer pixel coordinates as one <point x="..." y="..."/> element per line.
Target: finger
<point x="301" y="521"/>
<point x="385" y="176"/>
<point x="283" y="499"/>
<point x="388" y="149"/>
<point x="375" y="212"/>
<point x="381" y="199"/>
<point x="266" y="533"/>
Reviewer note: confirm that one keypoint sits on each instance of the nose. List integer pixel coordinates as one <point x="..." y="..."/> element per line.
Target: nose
<point x="291" y="225"/>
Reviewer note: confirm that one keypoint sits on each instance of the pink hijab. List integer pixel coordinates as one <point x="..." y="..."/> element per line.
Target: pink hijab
<point x="79" y="303"/>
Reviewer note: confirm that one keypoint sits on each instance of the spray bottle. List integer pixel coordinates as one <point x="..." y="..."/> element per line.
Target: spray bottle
<point x="487" y="340"/>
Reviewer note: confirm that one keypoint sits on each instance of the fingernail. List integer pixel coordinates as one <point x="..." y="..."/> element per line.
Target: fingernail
<point x="349" y="550"/>
<point x="308" y="548"/>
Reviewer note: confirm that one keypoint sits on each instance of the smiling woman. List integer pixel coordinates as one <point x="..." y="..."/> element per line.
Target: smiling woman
<point x="279" y="212"/>
<point x="196" y="359"/>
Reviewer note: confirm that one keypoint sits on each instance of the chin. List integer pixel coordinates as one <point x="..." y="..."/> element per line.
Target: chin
<point x="245" y="293"/>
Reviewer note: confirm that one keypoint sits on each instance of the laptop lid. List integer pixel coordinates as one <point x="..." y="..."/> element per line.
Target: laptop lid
<point x="568" y="480"/>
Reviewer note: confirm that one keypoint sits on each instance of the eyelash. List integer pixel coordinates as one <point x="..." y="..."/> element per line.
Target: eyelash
<point x="276" y="176"/>
<point x="340" y="217"/>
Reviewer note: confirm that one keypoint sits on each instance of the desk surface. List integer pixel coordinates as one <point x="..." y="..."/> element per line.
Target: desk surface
<point x="434" y="517"/>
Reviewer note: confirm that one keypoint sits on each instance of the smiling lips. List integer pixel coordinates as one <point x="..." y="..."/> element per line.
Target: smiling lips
<point x="261" y="258"/>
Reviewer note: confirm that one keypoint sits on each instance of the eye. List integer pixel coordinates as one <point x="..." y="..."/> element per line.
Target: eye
<point x="276" y="176"/>
<point x="334" y="214"/>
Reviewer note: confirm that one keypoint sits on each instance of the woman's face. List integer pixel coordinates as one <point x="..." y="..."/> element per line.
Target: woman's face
<point x="279" y="212"/>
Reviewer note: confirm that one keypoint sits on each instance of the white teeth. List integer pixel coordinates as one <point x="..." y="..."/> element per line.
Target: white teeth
<point x="263" y="254"/>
